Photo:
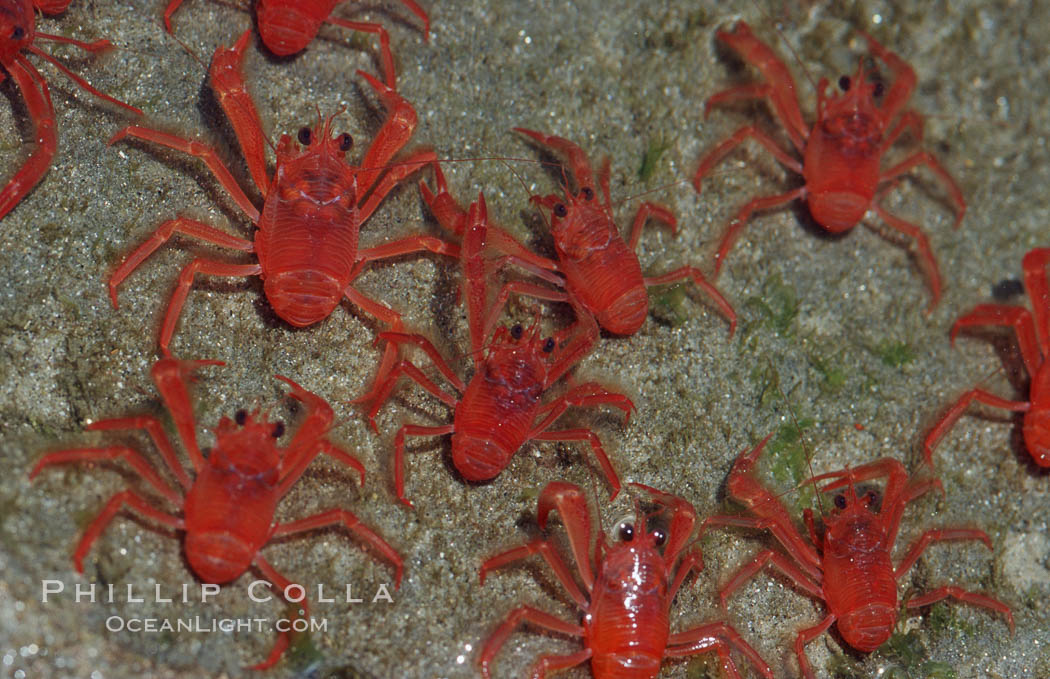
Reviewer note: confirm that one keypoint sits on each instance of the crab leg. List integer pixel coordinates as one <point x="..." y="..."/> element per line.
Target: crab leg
<point x="283" y="638"/>
<point x="386" y="57"/>
<point x="938" y="535"/>
<point x="715" y="155"/>
<point x="720" y="636"/>
<point x="1035" y="281"/>
<point x="538" y="618"/>
<point x="199" y="150"/>
<point x="1017" y="317"/>
<point x="227" y="80"/>
<point x="742" y="217"/>
<point x="126" y="498"/>
<point x="351" y="523"/>
<point x="170" y="375"/>
<point x="581" y="167"/>
<point x="399" y="453"/>
<point x="38" y="103"/>
<point x="153" y="427"/>
<point x="572" y="507"/>
<point x="967" y="597"/>
<point x="161" y="235"/>
<point x="926" y="158"/>
<point x="781" y="86"/>
<point x="182" y="290"/>
<point x="549" y="554"/>
<point x="806" y="636"/>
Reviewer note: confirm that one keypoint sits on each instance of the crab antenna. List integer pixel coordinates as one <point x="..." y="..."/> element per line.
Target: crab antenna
<point x="783" y="38"/>
<point x="656" y="189"/>
<point x="856" y="90"/>
<point x="660" y="511"/>
<point x="852" y="487"/>
<point x="257" y="412"/>
<point x="661" y="188"/>
<point x="328" y="123"/>
<point x="492" y="341"/>
<point x="846" y="473"/>
<point x="186" y="48"/>
<point x="565" y="177"/>
<point x="639" y="517"/>
<point x="601" y="519"/>
<point x="521" y="180"/>
<point x="535" y="327"/>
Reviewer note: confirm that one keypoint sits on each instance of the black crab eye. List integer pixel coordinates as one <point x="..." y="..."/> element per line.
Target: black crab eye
<point x="560" y="210"/>
<point x="878" y="90"/>
<point x="345" y="141"/>
<point x="844" y="83"/>
<point x="1007" y="288"/>
<point x="240" y="417"/>
<point x="626" y="532"/>
<point x="840" y="501"/>
<point x="18" y="33"/>
<point x="548" y="345"/>
<point x="659" y="537"/>
<point x="871" y="497"/>
<point x="305" y="136"/>
<point x="517" y="331"/>
<point x="278" y="430"/>
<point x="587" y="193"/>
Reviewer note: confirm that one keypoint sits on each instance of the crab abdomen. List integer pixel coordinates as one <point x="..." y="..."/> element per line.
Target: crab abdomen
<point x="840" y="180"/>
<point x="228" y="520"/>
<point x="604" y="274"/>
<point x="307" y="239"/>
<point x="627" y="624"/>
<point x="288" y="26"/>
<point x="859" y="586"/>
<point x="492" y="421"/>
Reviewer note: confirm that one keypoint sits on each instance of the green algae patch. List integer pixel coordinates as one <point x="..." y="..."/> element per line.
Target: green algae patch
<point x="775" y="309"/>
<point x="669" y="307"/>
<point x="302" y="651"/>
<point x="657" y="148"/>
<point x="907" y="658"/>
<point x="894" y="353"/>
<point x="832" y="374"/>
<point x="789" y="460"/>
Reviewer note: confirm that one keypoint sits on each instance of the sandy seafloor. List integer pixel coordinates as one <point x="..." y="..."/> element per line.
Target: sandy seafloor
<point x="617" y="77"/>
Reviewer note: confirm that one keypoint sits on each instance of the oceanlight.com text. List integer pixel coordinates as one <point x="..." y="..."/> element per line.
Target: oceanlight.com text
<point x="134" y="625"/>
